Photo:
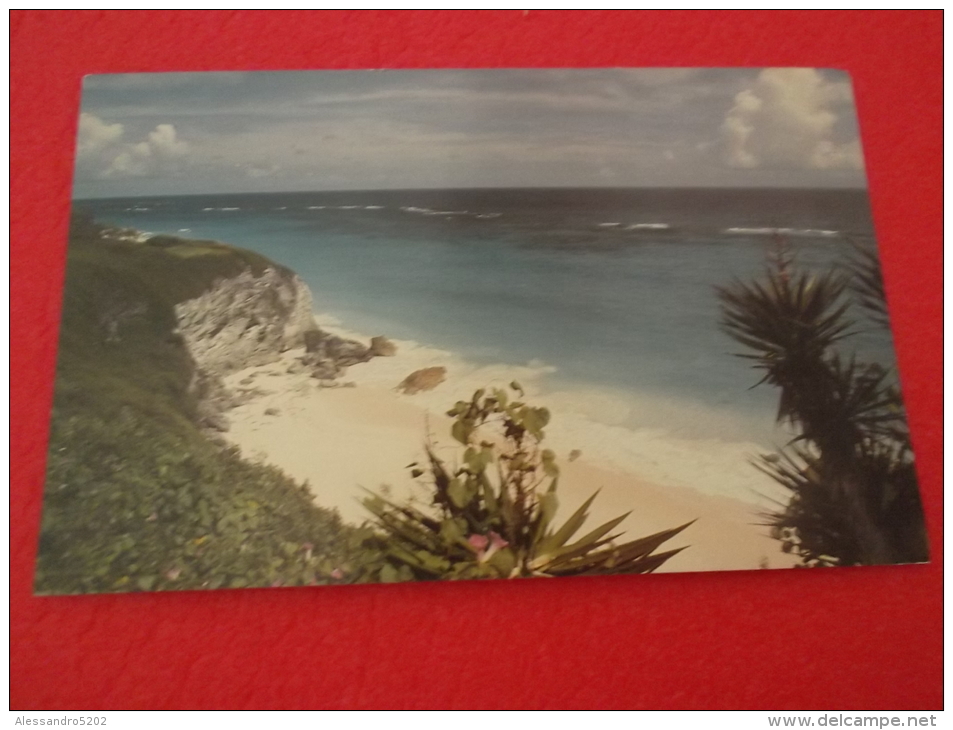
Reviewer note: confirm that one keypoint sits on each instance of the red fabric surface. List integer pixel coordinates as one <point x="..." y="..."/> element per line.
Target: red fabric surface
<point x="858" y="638"/>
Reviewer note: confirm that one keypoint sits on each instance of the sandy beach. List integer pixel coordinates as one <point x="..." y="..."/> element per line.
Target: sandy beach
<point x="362" y="433"/>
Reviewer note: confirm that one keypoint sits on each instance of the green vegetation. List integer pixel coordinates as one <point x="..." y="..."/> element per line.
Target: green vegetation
<point x="854" y="496"/>
<point x="478" y="529"/>
<point x="137" y="497"/>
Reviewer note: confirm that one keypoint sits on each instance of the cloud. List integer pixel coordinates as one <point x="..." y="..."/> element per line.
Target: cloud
<point x="356" y="129"/>
<point x="101" y="151"/>
<point x="788" y="117"/>
<point x="95" y="135"/>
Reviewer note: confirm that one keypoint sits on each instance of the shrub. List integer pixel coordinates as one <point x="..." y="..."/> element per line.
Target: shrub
<point x="494" y="515"/>
<point x="137" y="497"/>
<point x="854" y="497"/>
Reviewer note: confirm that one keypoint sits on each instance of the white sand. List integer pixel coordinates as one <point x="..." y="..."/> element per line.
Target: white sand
<point x="341" y="439"/>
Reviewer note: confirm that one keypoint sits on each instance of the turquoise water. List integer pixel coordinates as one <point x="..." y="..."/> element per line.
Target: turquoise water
<point x="613" y="288"/>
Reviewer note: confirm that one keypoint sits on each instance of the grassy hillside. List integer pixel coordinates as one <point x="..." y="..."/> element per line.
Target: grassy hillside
<point x="137" y="497"/>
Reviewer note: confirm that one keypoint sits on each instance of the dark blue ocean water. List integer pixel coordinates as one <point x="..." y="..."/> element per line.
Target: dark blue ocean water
<point x="615" y="288"/>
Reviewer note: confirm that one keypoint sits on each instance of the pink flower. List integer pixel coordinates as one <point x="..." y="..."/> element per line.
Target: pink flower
<point x="276" y="584"/>
<point x="478" y="542"/>
<point x="337" y="574"/>
<point x="173" y="573"/>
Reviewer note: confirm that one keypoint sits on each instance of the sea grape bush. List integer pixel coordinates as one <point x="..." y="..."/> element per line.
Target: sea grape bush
<point x="493" y="514"/>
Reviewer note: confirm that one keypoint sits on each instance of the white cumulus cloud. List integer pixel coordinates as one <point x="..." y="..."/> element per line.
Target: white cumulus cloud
<point x="787" y="118"/>
<point x="95" y="135"/>
<point x="102" y="151"/>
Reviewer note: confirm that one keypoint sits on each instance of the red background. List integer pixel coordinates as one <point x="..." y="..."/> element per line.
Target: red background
<point x="859" y="638"/>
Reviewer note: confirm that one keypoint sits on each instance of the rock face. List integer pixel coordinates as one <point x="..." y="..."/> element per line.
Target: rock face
<point x="249" y="320"/>
<point x="214" y="401"/>
<point x="425" y="379"/>
<point x="246" y="320"/>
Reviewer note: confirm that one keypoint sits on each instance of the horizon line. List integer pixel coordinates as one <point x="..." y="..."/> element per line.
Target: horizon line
<point x="864" y="188"/>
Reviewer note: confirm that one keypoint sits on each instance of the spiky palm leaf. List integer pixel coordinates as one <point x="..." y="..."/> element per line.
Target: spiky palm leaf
<point x="821" y="524"/>
<point x="786" y="314"/>
<point x="853" y="495"/>
<point x="868" y="283"/>
<point x="476" y="528"/>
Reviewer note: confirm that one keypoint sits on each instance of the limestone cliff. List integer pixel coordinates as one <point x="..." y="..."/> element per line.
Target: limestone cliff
<point x="246" y="320"/>
<point x="250" y="319"/>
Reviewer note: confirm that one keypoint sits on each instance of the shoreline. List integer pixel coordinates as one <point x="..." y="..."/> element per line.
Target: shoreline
<point x="589" y="418"/>
<point x="362" y="432"/>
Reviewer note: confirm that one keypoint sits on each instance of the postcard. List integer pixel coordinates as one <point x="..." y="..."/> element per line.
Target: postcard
<point x="338" y="327"/>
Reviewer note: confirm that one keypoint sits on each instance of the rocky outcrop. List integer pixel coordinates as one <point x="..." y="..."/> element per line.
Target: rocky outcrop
<point x="246" y="320"/>
<point x="382" y="347"/>
<point x="320" y="345"/>
<point x="249" y="320"/>
<point x="213" y="401"/>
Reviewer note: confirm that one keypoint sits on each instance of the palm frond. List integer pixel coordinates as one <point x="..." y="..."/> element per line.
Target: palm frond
<point x="852" y="492"/>
<point x="867" y="284"/>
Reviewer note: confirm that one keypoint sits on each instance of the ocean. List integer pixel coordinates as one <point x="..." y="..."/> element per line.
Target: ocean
<point x="609" y="294"/>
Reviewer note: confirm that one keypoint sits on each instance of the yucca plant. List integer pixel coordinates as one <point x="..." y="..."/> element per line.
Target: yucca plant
<point x="868" y="284"/>
<point x="494" y="514"/>
<point x="854" y="497"/>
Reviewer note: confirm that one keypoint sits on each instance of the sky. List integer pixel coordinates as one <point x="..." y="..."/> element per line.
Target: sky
<point x="194" y="133"/>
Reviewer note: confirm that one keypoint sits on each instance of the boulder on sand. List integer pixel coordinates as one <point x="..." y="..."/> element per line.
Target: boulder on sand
<point x="382" y="347"/>
<point x="320" y="346"/>
<point x="313" y="339"/>
<point x="425" y="379"/>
